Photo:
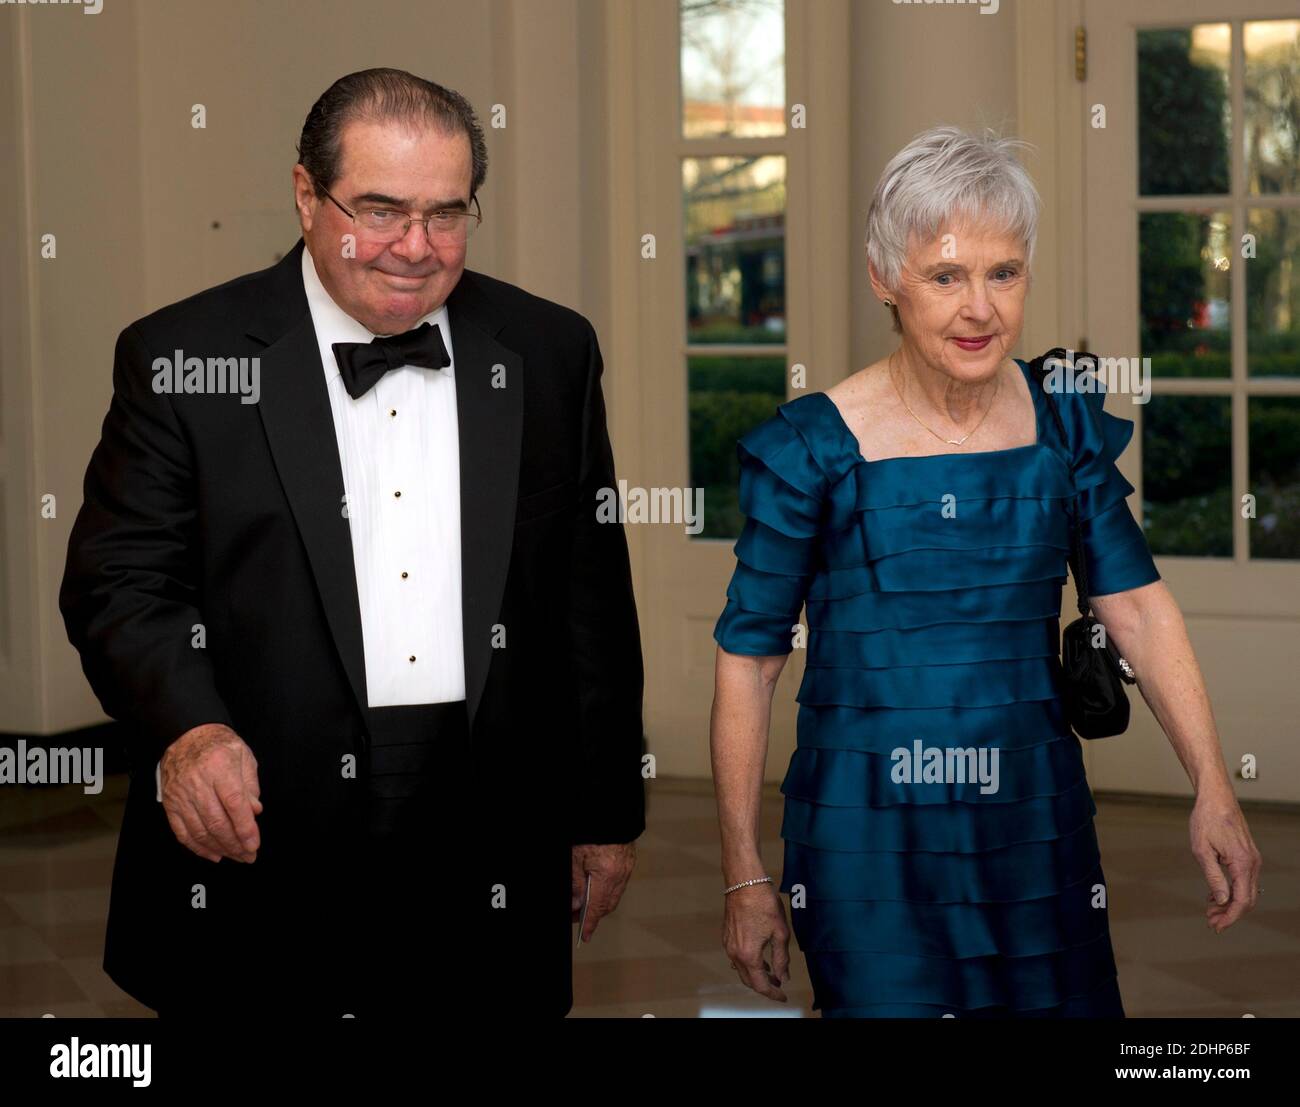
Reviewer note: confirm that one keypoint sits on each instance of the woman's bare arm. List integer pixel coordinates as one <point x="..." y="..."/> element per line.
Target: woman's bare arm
<point x="738" y="728"/>
<point x="754" y="917"/>
<point x="1149" y="631"/>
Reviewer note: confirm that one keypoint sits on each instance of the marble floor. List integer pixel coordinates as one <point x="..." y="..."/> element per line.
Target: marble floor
<point x="659" y="953"/>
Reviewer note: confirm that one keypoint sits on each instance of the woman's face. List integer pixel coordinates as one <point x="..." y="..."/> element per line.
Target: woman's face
<point x="969" y="283"/>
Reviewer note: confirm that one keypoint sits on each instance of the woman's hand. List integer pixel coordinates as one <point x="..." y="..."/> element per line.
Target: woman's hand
<point x="1221" y="840"/>
<point x="1149" y="630"/>
<point x="754" y="917"/>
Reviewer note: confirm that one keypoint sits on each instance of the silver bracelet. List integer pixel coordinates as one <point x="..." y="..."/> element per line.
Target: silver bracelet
<point x="747" y="883"/>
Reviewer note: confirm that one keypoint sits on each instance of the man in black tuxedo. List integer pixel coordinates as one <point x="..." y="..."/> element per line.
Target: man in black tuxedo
<point x="378" y="656"/>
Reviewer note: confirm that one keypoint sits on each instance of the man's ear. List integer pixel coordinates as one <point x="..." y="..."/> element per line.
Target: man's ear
<point x="304" y="197"/>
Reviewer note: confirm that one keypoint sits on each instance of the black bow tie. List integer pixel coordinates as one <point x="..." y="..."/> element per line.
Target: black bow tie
<point x="363" y="363"/>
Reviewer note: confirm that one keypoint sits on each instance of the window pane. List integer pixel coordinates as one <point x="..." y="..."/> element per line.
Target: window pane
<point x="1184" y="124"/>
<point x="1275" y="476"/>
<point x="1187" y="475"/>
<point x="735" y="249"/>
<point x="728" y="397"/>
<point x="733" y="68"/>
<point x="1273" y="294"/>
<point x="1184" y="260"/>
<point x="1272" y="111"/>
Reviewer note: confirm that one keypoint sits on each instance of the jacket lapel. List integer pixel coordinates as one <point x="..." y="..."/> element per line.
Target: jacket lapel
<point x="489" y="418"/>
<point x="295" y="411"/>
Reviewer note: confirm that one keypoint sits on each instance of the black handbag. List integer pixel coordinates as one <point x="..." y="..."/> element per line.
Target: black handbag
<point x="1093" y="672"/>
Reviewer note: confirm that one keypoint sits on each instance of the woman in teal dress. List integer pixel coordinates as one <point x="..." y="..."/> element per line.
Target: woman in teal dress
<point x="940" y="852"/>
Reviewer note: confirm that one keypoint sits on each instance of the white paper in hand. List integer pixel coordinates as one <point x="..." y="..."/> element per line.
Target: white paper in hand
<point x="586" y="902"/>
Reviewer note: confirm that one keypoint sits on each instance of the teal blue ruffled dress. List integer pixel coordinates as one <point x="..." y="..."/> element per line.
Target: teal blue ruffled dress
<point x="933" y="589"/>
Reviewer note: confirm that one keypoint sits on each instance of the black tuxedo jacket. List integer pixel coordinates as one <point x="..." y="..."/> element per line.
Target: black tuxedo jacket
<point x="202" y="510"/>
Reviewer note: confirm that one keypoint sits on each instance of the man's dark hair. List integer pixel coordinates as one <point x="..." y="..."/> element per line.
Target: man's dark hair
<point x="382" y="95"/>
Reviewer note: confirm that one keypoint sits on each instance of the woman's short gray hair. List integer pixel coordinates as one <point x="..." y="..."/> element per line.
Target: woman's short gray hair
<point x="943" y="173"/>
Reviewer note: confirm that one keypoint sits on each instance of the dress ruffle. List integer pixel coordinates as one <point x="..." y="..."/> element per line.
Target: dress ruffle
<point x="1050" y="979"/>
<point x="781" y="490"/>
<point x="933" y="593"/>
<point x="849" y="778"/>
<point x="954" y="826"/>
<point x="1028" y="927"/>
<point x="1118" y="558"/>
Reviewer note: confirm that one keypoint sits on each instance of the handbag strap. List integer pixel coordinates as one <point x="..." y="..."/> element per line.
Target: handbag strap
<point x="1076" y="559"/>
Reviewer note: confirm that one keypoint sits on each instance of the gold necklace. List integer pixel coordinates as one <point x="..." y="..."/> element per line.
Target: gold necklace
<point x="950" y="441"/>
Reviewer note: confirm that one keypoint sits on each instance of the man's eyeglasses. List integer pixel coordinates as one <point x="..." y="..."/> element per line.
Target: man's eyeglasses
<point x="444" y="228"/>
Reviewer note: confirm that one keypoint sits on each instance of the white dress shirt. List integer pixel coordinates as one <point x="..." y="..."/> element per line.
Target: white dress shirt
<point x="401" y="436"/>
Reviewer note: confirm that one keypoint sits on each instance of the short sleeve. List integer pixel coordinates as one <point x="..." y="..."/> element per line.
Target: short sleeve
<point x="1115" y="549"/>
<point x="781" y="493"/>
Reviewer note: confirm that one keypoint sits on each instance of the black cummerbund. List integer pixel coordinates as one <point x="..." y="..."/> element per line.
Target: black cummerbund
<point x="409" y="745"/>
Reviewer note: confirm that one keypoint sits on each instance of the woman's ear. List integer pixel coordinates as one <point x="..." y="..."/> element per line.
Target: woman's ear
<point x="878" y="286"/>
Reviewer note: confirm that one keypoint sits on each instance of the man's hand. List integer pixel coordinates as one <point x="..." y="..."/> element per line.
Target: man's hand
<point x="610" y="867"/>
<point x="210" y="793"/>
